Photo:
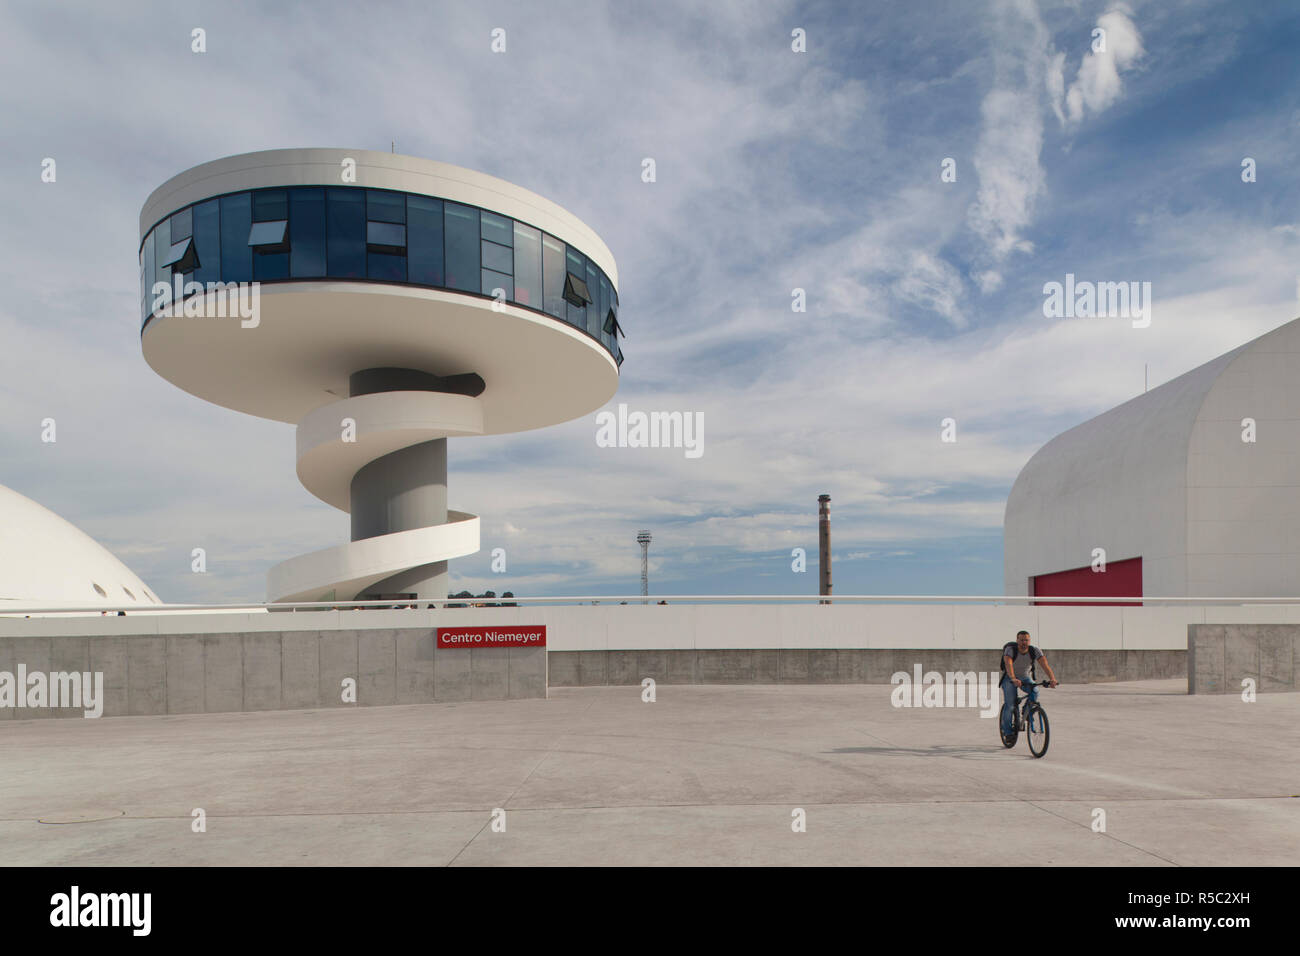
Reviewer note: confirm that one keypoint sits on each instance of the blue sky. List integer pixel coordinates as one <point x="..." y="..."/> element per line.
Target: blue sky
<point x="775" y="170"/>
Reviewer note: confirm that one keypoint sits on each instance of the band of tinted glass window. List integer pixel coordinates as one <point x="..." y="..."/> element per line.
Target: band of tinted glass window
<point x="378" y="235"/>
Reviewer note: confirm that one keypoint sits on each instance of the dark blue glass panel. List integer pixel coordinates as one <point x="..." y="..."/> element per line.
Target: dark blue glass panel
<point x="307" y="233"/>
<point x="462" y="238"/>
<point x="424" y="240"/>
<point x="576" y="263"/>
<point x="270" y="204"/>
<point x="385" y="206"/>
<point x="274" y="266"/>
<point x="380" y="265"/>
<point x="146" y="276"/>
<point x="162" y="237"/>
<point x="593" y="307"/>
<point x="356" y="233"/>
<point x="207" y="241"/>
<point x="553" y="275"/>
<point x="236" y="220"/>
<point x="182" y="224"/>
<point x="498" y="280"/>
<point x="346" y="230"/>
<point x="528" y="266"/>
<point x="498" y="258"/>
<point x="496" y="228"/>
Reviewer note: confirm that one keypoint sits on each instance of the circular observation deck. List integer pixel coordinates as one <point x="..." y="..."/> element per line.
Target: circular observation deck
<point x="270" y="281"/>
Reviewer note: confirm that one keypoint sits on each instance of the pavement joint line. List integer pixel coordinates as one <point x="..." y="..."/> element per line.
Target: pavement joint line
<point x="625" y="806"/>
<point x="979" y="782"/>
<point x="1105" y="833"/>
<point x="550" y="750"/>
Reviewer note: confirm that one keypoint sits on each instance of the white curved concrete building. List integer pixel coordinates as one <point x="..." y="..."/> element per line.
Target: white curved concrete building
<point x="1192" y="489"/>
<point x="47" y="562"/>
<point x="382" y="304"/>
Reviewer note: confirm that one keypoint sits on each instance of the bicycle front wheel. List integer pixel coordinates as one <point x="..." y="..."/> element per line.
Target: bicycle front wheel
<point x="1037" y="727"/>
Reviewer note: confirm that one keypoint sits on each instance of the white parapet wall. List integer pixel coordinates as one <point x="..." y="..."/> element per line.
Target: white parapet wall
<point x="723" y="626"/>
<point x="174" y="661"/>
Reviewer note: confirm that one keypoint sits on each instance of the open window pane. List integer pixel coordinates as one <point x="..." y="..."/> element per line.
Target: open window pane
<point x="575" y="292"/>
<point x="385" y="237"/>
<point x="270" y="242"/>
<point x="181" y="257"/>
<point x="576" y="265"/>
<point x="602" y="303"/>
<point x="269" y="236"/>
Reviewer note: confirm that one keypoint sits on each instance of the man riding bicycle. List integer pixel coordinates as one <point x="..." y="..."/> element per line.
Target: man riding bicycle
<point x="1019" y="658"/>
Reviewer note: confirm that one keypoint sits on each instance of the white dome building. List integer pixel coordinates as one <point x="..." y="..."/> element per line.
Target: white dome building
<point x="48" y="562"/>
<point x="1191" y="489"/>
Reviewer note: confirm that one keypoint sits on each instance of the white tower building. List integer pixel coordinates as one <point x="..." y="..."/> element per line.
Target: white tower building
<point x="382" y="304"/>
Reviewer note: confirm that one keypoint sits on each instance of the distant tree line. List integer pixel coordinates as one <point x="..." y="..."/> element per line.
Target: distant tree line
<point x="481" y="600"/>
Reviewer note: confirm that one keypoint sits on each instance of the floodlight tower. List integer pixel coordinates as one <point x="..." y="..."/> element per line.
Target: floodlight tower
<point x="382" y="304"/>
<point x="643" y="539"/>
<point x="824" y="546"/>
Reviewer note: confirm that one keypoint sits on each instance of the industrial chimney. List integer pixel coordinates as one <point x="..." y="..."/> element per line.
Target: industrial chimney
<point x="824" y="545"/>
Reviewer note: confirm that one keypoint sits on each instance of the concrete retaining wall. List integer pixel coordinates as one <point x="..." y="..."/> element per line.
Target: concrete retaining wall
<point x="1220" y="656"/>
<point x="211" y="663"/>
<point x="839" y="665"/>
<point x="274" y="670"/>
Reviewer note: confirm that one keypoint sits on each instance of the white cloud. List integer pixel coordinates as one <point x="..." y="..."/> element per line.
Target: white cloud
<point x="1011" y="178"/>
<point x="1007" y="156"/>
<point x="1098" y="86"/>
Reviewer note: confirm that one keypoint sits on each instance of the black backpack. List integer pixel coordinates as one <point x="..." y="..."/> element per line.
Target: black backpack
<point x="1015" y="652"/>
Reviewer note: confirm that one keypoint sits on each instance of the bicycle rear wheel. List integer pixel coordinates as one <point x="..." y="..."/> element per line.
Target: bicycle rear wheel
<point x="1037" y="728"/>
<point x="1008" y="741"/>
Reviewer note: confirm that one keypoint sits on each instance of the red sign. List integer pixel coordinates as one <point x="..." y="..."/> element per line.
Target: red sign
<point x="534" y="636"/>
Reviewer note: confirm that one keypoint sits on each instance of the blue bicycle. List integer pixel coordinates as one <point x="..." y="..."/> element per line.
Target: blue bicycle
<point x="1030" y="717"/>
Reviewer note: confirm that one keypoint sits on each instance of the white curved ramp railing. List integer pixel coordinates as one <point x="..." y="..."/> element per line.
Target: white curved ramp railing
<point x="336" y="441"/>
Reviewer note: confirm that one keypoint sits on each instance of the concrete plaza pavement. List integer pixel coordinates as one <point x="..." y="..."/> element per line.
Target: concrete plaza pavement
<point x="707" y="774"/>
